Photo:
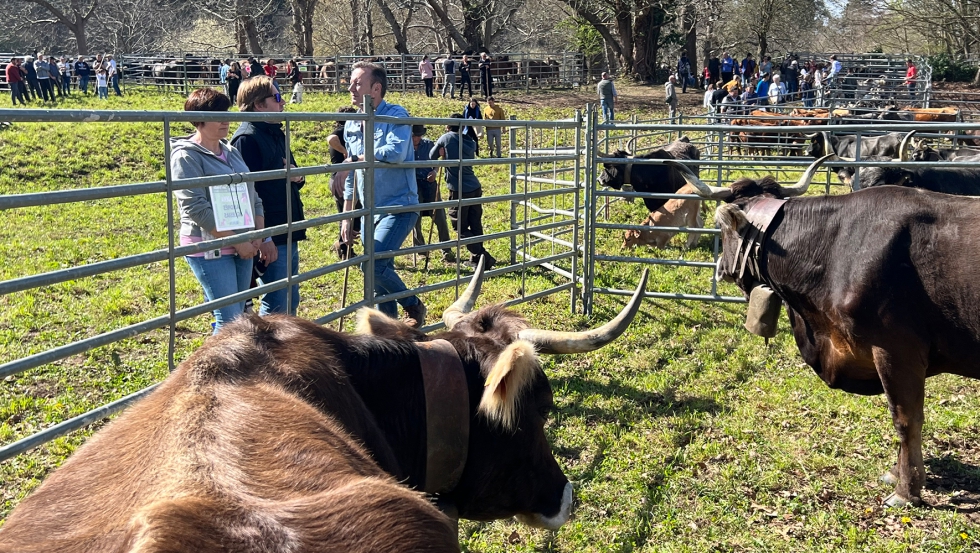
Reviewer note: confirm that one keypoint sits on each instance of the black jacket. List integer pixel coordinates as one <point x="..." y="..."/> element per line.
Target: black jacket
<point x="263" y="147"/>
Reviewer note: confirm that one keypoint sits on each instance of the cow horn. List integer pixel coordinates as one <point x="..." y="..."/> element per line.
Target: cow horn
<point x="556" y="341"/>
<point x="903" y="147"/>
<point x="827" y="148"/>
<point x="702" y="189"/>
<point x="811" y="136"/>
<point x="800" y="187"/>
<point x="455" y="312"/>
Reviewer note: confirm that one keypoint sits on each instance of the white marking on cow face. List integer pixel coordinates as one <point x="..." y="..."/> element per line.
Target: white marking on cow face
<point x="537" y="520"/>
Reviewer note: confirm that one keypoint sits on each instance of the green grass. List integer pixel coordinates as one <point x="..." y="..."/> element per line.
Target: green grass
<point x="688" y="434"/>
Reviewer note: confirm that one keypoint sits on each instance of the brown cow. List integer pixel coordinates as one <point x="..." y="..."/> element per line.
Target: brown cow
<point x="279" y="435"/>
<point x="678" y="212"/>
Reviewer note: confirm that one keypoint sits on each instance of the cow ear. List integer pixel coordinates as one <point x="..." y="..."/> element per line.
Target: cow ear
<point x="730" y="218"/>
<point x="512" y="373"/>
<point x="373" y="322"/>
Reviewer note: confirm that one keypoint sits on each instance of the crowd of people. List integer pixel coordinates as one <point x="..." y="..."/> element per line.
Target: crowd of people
<point x="227" y="210"/>
<point x="41" y="78"/>
<point x="731" y="86"/>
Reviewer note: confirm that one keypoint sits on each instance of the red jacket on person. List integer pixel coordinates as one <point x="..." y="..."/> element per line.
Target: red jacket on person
<point x="13" y="73"/>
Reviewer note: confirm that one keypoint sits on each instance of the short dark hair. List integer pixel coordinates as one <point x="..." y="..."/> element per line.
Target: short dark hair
<point x="378" y="74"/>
<point x="206" y="99"/>
<point x="456" y="127"/>
<point x="340" y="123"/>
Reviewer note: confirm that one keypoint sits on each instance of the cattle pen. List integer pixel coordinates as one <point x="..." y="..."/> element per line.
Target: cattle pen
<point x="556" y="232"/>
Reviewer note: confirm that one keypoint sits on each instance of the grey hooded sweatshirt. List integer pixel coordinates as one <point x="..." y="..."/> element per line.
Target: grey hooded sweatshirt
<point x="188" y="160"/>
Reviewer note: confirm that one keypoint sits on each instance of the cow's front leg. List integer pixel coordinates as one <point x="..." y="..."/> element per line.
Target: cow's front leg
<point x="903" y="378"/>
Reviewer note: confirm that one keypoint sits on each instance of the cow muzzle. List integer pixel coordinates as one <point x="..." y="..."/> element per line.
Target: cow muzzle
<point x="538" y="520"/>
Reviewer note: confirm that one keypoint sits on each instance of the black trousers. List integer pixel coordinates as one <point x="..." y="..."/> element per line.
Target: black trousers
<point x="428" y="86"/>
<point x="468" y="220"/>
<point x="464" y="80"/>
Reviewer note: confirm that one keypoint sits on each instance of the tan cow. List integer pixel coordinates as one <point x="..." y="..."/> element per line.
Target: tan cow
<point x="675" y="213"/>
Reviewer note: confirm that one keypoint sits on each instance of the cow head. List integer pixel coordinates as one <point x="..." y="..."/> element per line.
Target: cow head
<point x="614" y="174"/>
<point x="509" y="469"/>
<point x="731" y="218"/>
<point x="820" y="144"/>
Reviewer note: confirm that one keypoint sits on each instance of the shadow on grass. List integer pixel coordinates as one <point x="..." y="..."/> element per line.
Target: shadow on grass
<point x="637" y="403"/>
<point x="947" y="474"/>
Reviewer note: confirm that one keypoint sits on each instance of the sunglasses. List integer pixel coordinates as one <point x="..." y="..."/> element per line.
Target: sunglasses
<point x="277" y="96"/>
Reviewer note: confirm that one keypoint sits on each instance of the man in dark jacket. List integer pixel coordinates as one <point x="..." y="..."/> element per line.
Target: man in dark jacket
<point x="33" y="88"/>
<point x="263" y="147"/>
<point x="425" y="179"/>
<point x="467" y="220"/>
<point x="84" y="72"/>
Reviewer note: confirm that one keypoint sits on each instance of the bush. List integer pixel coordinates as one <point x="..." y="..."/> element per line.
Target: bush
<point x="948" y="68"/>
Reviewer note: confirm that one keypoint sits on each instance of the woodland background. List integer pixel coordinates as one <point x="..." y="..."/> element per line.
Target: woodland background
<point x="632" y="37"/>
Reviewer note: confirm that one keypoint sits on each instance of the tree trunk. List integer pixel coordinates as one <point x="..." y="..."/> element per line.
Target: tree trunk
<point x="690" y="22"/>
<point x="472" y="26"/>
<point x="401" y="44"/>
<point x="646" y="42"/>
<point x="252" y="35"/>
<point x="303" y="26"/>
<point x="763" y="45"/>
<point x="369" y="30"/>
<point x="624" y="27"/>
<point x="355" y="27"/>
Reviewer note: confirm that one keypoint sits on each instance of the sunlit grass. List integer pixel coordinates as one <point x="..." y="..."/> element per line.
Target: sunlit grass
<point x="688" y="434"/>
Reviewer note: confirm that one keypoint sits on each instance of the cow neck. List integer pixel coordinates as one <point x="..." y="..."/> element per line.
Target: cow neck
<point x="749" y="256"/>
<point x="447" y="415"/>
<point x="628" y="177"/>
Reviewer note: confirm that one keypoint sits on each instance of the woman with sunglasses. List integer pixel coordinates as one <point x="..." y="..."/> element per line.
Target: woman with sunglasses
<point x="216" y="211"/>
<point x="263" y="147"/>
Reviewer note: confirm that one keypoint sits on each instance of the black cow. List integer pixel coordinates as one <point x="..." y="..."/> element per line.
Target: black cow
<point x="959" y="181"/>
<point x="282" y="435"/>
<point x="922" y="151"/>
<point x="876" y="314"/>
<point x="845" y="147"/>
<point x="657" y="179"/>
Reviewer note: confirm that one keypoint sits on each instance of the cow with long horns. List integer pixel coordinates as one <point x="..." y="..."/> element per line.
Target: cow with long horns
<point x="879" y="291"/>
<point x="650" y="178"/>
<point x="282" y="435"/>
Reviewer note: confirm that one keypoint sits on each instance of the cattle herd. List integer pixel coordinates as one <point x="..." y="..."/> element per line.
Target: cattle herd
<point x="281" y="435"/>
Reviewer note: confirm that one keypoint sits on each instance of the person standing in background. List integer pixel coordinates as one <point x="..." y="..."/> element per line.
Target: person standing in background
<point x="223" y="77"/>
<point x="464" y="76"/>
<point x="113" y="74"/>
<point x="607" y="97"/>
<point x="493" y="111"/>
<point x="15" y="78"/>
<point x="467" y="219"/>
<point x="425" y="179"/>
<point x="426" y="70"/>
<point x="486" y="75"/>
<point x="910" y="77"/>
<point x="338" y="153"/>
<point x="670" y="98"/>
<point x="295" y="77"/>
<point x="449" y="73"/>
<point x="234" y="80"/>
<point x="84" y="72"/>
<point x="684" y="71"/>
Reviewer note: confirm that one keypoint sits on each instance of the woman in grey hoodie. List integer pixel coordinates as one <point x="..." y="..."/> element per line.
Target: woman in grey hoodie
<point x="216" y="211"/>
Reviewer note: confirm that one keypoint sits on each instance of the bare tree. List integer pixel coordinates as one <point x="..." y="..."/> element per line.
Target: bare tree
<point x="73" y="14"/>
<point x="303" y="11"/>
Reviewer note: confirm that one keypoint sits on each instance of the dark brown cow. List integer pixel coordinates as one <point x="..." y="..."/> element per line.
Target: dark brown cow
<point x="875" y="315"/>
<point x="279" y="435"/>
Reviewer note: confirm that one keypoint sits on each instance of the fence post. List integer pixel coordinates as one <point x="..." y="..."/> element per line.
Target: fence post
<point x="576" y="211"/>
<point x="404" y="75"/>
<point x="367" y="227"/>
<point x="513" y="190"/>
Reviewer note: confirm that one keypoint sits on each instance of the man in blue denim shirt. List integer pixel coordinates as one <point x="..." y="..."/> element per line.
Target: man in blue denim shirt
<point x="392" y="187"/>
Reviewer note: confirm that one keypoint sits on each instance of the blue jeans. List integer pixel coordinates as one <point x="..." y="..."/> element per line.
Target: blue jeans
<point x="607" y="110"/>
<point x="275" y="302"/>
<point x="83" y="83"/>
<point x="390" y="231"/>
<point x="224" y="276"/>
<point x="115" y="84"/>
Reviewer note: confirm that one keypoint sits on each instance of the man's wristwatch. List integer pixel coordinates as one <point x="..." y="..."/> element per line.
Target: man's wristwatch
<point x="354" y="158"/>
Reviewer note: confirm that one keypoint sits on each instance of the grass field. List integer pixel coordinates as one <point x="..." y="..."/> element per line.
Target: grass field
<point x="688" y="434"/>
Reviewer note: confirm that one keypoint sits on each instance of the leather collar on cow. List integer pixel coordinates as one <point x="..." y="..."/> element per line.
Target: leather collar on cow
<point x="627" y="176"/>
<point x="447" y="415"/>
<point x="752" y="238"/>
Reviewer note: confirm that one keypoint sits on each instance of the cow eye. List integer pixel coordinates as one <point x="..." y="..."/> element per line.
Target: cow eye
<point x="545" y="412"/>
